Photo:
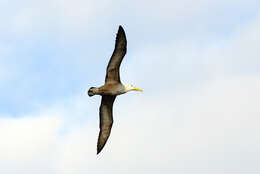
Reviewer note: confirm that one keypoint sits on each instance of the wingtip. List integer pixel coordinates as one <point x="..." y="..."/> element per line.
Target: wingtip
<point x="99" y="150"/>
<point x="99" y="147"/>
<point x="120" y="28"/>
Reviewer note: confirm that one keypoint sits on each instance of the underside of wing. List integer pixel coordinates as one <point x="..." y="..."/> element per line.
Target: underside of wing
<point x="112" y="73"/>
<point x="106" y="121"/>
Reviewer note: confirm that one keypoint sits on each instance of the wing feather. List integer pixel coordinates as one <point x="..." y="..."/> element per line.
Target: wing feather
<point x="106" y="121"/>
<point x="112" y="74"/>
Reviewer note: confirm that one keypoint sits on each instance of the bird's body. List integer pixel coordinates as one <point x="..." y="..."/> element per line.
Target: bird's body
<point x="111" y="89"/>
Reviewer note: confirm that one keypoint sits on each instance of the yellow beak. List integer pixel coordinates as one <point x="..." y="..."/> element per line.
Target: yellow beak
<point x="137" y="89"/>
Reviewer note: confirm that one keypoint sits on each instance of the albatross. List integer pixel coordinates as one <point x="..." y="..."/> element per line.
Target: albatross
<point x="111" y="89"/>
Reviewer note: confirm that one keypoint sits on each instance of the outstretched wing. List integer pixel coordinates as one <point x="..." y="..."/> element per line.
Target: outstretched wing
<point x="113" y="66"/>
<point x="106" y="120"/>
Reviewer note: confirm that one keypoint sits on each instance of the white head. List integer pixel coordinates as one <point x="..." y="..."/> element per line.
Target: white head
<point x="131" y="87"/>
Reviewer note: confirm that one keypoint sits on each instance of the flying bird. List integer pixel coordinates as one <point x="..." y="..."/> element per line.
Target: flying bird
<point x="111" y="89"/>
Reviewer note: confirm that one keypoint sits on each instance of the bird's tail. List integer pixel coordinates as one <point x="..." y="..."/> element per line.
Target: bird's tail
<point x="91" y="91"/>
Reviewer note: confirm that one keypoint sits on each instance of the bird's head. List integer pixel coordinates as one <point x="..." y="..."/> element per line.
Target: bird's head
<point x="131" y="87"/>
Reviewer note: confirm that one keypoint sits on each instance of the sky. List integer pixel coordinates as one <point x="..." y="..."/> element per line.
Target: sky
<point x="196" y="60"/>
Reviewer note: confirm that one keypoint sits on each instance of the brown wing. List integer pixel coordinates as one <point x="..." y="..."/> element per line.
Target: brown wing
<point x="106" y="120"/>
<point x="117" y="57"/>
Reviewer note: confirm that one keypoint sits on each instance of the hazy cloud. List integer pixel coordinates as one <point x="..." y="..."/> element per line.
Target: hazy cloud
<point x="209" y="129"/>
<point x="197" y="62"/>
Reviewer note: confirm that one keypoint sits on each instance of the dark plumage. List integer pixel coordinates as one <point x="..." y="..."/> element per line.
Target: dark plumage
<point x="111" y="89"/>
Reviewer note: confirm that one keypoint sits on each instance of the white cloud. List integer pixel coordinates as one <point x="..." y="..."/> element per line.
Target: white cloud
<point x="238" y="54"/>
<point x="28" y="143"/>
<point x="176" y="132"/>
<point x="193" y="127"/>
<point x="83" y="19"/>
<point x="193" y="61"/>
<point x="199" y="114"/>
<point x="59" y="19"/>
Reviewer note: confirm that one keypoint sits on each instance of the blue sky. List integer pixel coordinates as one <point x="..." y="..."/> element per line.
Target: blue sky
<point x="197" y="61"/>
